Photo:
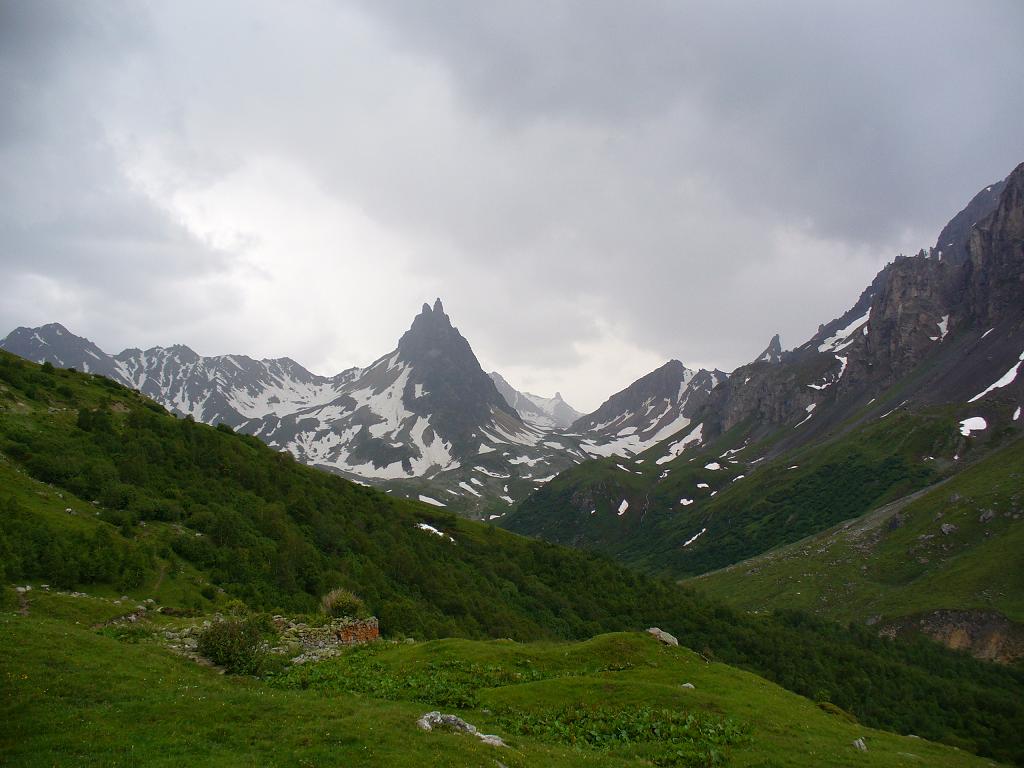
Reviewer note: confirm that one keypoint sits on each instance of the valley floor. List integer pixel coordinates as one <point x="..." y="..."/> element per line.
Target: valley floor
<point x="72" y="694"/>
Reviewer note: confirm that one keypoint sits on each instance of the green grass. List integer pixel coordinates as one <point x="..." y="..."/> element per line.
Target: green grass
<point x="878" y="567"/>
<point x="72" y="695"/>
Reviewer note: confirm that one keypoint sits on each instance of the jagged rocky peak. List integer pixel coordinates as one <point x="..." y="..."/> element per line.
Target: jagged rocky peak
<point x="662" y="383"/>
<point x="452" y="386"/>
<point x="544" y="412"/>
<point x="952" y="243"/>
<point x="773" y="353"/>
<point x="994" y="280"/>
<point x="432" y="334"/>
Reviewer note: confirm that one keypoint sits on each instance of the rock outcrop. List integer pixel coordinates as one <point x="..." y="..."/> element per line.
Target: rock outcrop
<point x="939" y="323"/>
<point x="985" y="635"/>
<point x="438" y="721"/>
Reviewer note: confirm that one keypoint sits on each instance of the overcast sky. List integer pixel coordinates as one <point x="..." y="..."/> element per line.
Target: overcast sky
<point x="591" y="187"/>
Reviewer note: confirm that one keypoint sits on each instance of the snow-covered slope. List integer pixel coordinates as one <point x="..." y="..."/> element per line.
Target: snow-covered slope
<point x="651" y="409"/>
<point x="230" y="389"/>
<point x="422" y="420"/>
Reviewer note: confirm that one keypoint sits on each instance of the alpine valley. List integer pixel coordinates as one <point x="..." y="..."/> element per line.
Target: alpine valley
<point x="807" y="524"/>
<point x="685" y="472"/>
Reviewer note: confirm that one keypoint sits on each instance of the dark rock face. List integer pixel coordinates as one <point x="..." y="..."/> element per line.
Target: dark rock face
<point x="984" y="634"/>
<point x="993" y="283"/>
<point x="773" y="352"/>
<point x="907" y="316"/>
<point x="952" y="242"/>
<point x="456" y="391"/>
<point x="917" y="309"/>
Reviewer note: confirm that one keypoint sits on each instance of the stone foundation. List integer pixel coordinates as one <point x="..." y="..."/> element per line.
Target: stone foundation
<point x="337" y="633"/>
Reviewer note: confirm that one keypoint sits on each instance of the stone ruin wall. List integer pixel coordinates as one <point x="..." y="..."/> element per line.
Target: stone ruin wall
<point x="336" y="633"/>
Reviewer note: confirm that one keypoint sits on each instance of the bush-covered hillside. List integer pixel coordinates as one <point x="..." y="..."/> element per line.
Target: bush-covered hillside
<point x="958" y="545"/>
<point x="198" y="515"/>
<point x="744" y="504"/>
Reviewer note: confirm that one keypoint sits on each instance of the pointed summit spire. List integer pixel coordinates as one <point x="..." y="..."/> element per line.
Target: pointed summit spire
<point x="438" y="307"/>
<point x="773" y="354"/>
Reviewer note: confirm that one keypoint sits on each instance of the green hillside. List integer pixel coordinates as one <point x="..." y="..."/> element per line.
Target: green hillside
<point x="195" y="517"/>
<point x="743" y="505"/>
<point x="957" y="545"/>
<point x="72" y="695"/>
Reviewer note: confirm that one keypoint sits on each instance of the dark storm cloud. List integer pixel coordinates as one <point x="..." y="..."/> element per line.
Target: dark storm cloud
<point x="860" y="115"/>
<point x="592" y="186"/>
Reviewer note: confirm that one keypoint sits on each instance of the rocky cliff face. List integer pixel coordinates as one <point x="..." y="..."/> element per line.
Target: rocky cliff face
<point x="952" y="242"/>
<point x="929" y="308"/>
<point x="993" y="281"/>
<point x="985" y="635"/>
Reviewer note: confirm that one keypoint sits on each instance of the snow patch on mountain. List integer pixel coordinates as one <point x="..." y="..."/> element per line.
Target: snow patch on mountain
<point x="841" y="338"/>
<point x="1005" y="380"/>
<point x="972" y="424"/>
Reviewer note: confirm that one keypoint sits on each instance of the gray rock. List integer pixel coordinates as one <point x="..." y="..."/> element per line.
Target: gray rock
<point x="663" y="636"/>
<point x="948" y="528"/>
<point x="860" y="745"/>
<point x="687" y="685"/>
<point x="985" y="516"/>
<point x="439" y="721"/>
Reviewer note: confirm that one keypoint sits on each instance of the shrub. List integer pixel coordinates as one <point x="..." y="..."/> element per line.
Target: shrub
<point x="236" y="645"/>
<point x="832" y="709"/>
<point x="341" y="603"/>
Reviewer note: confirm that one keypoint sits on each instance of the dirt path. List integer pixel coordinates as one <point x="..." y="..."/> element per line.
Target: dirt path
<point x="160" y="576"/>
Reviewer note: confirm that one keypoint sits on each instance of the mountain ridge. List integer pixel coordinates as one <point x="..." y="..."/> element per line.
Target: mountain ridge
<point x="426" y="421"/>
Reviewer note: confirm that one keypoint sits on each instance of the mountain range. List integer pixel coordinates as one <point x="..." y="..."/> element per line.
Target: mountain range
<point x="912" y="390"/>
<point x="423" y="421"/>
<point x="684" y="471"/>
